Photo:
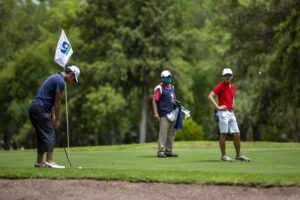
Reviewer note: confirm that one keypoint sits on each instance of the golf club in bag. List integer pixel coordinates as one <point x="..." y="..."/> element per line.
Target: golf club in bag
<point x="183" y="109"/>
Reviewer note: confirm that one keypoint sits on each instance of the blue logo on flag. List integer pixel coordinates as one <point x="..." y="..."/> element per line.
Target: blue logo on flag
<point x="65" y="48"/>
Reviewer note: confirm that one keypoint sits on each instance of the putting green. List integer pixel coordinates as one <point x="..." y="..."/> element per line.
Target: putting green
<point x="272" y="164"/>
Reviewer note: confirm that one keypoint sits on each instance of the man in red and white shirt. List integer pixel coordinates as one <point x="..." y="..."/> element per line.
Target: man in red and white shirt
<point x="163" y="102"/>
<point x="227" y="121"/>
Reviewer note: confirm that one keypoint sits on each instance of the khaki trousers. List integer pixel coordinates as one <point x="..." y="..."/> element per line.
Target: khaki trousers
<point x="166" y="135"/>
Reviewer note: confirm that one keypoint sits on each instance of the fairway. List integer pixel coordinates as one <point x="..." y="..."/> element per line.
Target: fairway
<point x="198" y="162"/>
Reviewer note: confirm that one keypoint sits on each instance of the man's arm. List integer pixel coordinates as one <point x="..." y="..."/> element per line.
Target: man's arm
<point x="56" y="110"/>
<point x="155" y="110"/>
<point x="212" y="100"/>
<point x="155" y="99"/>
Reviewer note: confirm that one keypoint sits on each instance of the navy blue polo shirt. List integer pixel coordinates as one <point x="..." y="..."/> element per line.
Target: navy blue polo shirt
<point x="46" y="94"/>
<point x="166" y="101"/>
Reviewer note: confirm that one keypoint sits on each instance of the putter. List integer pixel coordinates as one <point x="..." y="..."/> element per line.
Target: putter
<point x="68" y="158"/>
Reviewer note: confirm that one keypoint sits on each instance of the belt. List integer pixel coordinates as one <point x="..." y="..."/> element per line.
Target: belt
<point x="225" y="110"/>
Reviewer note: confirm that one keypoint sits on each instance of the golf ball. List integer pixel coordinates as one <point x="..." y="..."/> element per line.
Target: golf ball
<point x="79" y="167"/>
<point x="259" y="73"/>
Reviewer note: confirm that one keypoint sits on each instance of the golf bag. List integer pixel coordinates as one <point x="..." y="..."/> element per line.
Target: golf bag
<point x="216" y="117"/>
<point x="183" y="109"/>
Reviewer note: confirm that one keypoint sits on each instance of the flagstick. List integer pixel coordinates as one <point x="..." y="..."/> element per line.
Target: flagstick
<point x="67" y="115"/>
<point x="62" y="54"/>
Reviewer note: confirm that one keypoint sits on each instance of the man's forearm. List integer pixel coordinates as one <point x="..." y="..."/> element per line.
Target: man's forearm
<point x="154" y="105"/>
<point x="56" y="107"/>
<point x="212" y="100"/>
<point x="53" y="113"/>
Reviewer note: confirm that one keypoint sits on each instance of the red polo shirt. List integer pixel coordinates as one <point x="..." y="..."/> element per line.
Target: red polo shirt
<point x="225" y="93"/>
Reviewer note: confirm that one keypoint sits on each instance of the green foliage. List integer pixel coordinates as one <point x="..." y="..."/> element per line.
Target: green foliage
<point x="25" y="137"/>
<point x="15" y="34"/>
<point x="284" y="70"/>
<point x="191" y="131"/>
<point x="133" y="39"/>
<point x="202" y="110"/>
<point x="253" y="29"/>
<point x="121" y="46"/>
<point x="104" y="112"/>
<point x="131" y="42"/>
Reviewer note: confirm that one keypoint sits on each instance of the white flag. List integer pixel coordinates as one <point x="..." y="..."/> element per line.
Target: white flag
<point x="63" y="50"/>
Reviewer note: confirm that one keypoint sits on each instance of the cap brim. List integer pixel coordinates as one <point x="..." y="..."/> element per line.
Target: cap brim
<point x="167" y="75"/>
<point x="227" y="73"/>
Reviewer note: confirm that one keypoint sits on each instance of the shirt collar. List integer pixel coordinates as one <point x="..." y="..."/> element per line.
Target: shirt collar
<point x="165" y="86"/>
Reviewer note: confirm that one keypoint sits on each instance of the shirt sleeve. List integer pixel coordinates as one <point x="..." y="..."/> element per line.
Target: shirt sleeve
<point x="217" y="89"/>
<point x="156" y="94"/>
<point x="60" y="86"/>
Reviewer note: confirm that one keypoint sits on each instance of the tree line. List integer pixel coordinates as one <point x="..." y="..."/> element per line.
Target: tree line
<point x="121" y="46"/>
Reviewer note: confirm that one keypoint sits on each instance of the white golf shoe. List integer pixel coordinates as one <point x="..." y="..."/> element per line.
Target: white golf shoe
<point x="226" y="159"/>
<point x="53" y="165"/>
<point x="243" y="158"/>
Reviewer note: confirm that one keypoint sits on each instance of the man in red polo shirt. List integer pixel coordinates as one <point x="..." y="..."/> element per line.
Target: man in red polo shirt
<point x="227" y="121"/>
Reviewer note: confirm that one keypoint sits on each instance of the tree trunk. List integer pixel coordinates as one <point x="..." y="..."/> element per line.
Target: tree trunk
<point x="297" y="129"/>
<point x="243" y="130"/>
<point x="144" y="114"/>
<point x="96" y="138"/>
<point x="7" y="140"/>
<point x="256" y="134"/>
<point x="113" y="135"/>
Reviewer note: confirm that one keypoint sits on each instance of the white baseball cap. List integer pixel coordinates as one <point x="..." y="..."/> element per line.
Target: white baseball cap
<point x="75" y="71"/>
<point x="227" y="71"/>
<point x="165" y="73"/>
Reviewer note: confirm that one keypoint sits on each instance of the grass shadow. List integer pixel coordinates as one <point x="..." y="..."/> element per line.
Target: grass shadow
<point x="154" y="156"/>
<point x="203" y="161"/>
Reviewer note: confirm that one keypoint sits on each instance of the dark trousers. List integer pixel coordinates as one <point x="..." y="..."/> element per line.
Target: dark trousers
<point x="44" y="129"/>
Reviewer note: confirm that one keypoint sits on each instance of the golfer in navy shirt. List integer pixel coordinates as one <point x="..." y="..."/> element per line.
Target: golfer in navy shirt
<point x="44" y="114"/>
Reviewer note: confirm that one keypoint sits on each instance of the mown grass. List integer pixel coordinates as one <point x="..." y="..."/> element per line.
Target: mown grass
<point x="272" y="164"/>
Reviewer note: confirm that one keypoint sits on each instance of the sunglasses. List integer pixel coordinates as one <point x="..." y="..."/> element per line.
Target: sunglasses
<point x="227" y="75"/>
